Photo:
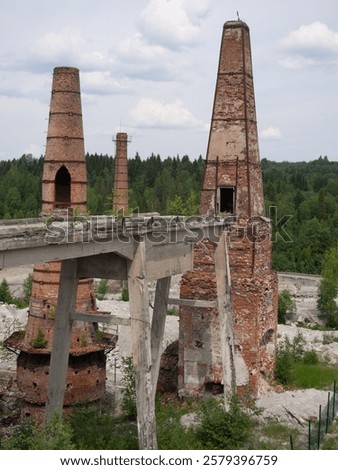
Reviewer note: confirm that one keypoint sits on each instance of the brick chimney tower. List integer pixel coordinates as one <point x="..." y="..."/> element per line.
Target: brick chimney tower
<point x="64" y="190"/>
<point x="64" y="179"/>
<point x="232" y="189"/>
<point x="120" y="194"/>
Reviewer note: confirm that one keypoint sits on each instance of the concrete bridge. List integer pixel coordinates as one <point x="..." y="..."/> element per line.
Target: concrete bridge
<point x="137" y="249"/>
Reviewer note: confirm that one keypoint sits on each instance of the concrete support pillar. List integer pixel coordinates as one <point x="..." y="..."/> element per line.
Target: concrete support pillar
<point x="141" y="347"/>
<point x="157" y="327"/>
<point x="61" y="339"/>
<point x="223" y="283"/>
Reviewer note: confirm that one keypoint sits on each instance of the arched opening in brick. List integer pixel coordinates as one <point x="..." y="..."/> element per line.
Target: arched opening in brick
<point x="267" y="337"/>
<point x="62" y="188"/>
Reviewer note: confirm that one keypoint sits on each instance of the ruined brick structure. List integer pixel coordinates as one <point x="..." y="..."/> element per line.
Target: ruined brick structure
<point x="233" y="189"/>
<point x="120" y="194"/>
<point x="64" y="191"/>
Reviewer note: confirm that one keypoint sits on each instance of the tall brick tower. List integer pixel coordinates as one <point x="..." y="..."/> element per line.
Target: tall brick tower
<point x="64" y="190"/>
<point x="120" y="195"/>
<point x="232" y="188"/>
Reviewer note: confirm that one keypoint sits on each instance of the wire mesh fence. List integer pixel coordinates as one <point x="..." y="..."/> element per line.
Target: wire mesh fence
<point x="320" y="426"/>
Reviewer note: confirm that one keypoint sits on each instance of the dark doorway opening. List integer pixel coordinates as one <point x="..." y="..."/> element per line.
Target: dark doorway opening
<point x="227" y="200"/>
<point x="213" y="388"/>
<point x="62" y="188"/>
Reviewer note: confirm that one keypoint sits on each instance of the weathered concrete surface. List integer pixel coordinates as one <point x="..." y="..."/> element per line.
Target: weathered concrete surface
<point x="304" y="290"/>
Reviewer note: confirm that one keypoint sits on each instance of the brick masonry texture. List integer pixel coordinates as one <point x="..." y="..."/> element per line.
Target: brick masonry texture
<point x="232" y="172"/>
<point x="65" y="142"/>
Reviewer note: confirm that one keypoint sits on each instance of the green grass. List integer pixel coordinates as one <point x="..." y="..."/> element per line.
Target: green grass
<point x="273" y="435"/>
<point x="320" y="376"/>
<point x="330" y="441"/>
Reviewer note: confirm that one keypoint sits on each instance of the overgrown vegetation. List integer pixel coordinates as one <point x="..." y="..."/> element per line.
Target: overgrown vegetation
<point x="101" y="289"/>
<point x="57" y="435"/>
<point x="39" y="342"/>
<point x="328" y="289"/>
<point x="223" y="430"/>
<point x="128" y="406"/>
<point x="98" y="426"/>
<point x="330" y="441"/>
<point x="125" y="293"/>
<point x="302" y="368"/>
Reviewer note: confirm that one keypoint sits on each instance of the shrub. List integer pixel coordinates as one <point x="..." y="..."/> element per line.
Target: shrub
<point x="170" y="432"/>
<point x="172" y="312"/>
<point x="101" y="289"/>
<point x="223" y="430"/>
<point x="5" y="294"/>
<point x="27" y="288"/>
<point x="288" y="354"/>
<point x="125" y="294"/>
<point x="286" y="306"/>
<point x="57" y="435"/>
<point x="39" y="342"/>
<point x="285" y="366"/>
<point x="310" y="357"/>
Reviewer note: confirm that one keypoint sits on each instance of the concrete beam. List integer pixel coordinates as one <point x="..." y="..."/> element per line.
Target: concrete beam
<point x="193" y="303"/>
<point x="167" y="260"/>
<point x="97" y="318"/>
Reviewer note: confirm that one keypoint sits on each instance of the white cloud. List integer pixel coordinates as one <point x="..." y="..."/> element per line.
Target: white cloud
<point x="173" y="23"/>
<point x="139" y="59"/>
<point x="311" y="44"/>
<point x="295" y="63"/>
<point x="152" y="113"/>
<point x="68" y="47"/>
<point x="26" y="85"/>
<point x="102" y="83"/>
<point x="137" y="49"/>
<point x="315" y="36"/>
<point x="271" y="133"/>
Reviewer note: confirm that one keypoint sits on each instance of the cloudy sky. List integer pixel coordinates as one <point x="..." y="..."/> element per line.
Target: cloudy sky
<point x="148" y="67"/>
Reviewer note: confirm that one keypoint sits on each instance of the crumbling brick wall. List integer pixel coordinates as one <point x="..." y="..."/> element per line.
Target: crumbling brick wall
<point x="233" y="189"/>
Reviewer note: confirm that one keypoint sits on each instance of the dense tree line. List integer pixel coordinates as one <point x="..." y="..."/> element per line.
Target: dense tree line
<point x="308" y="192"/>
<point x="301" y="198"/>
